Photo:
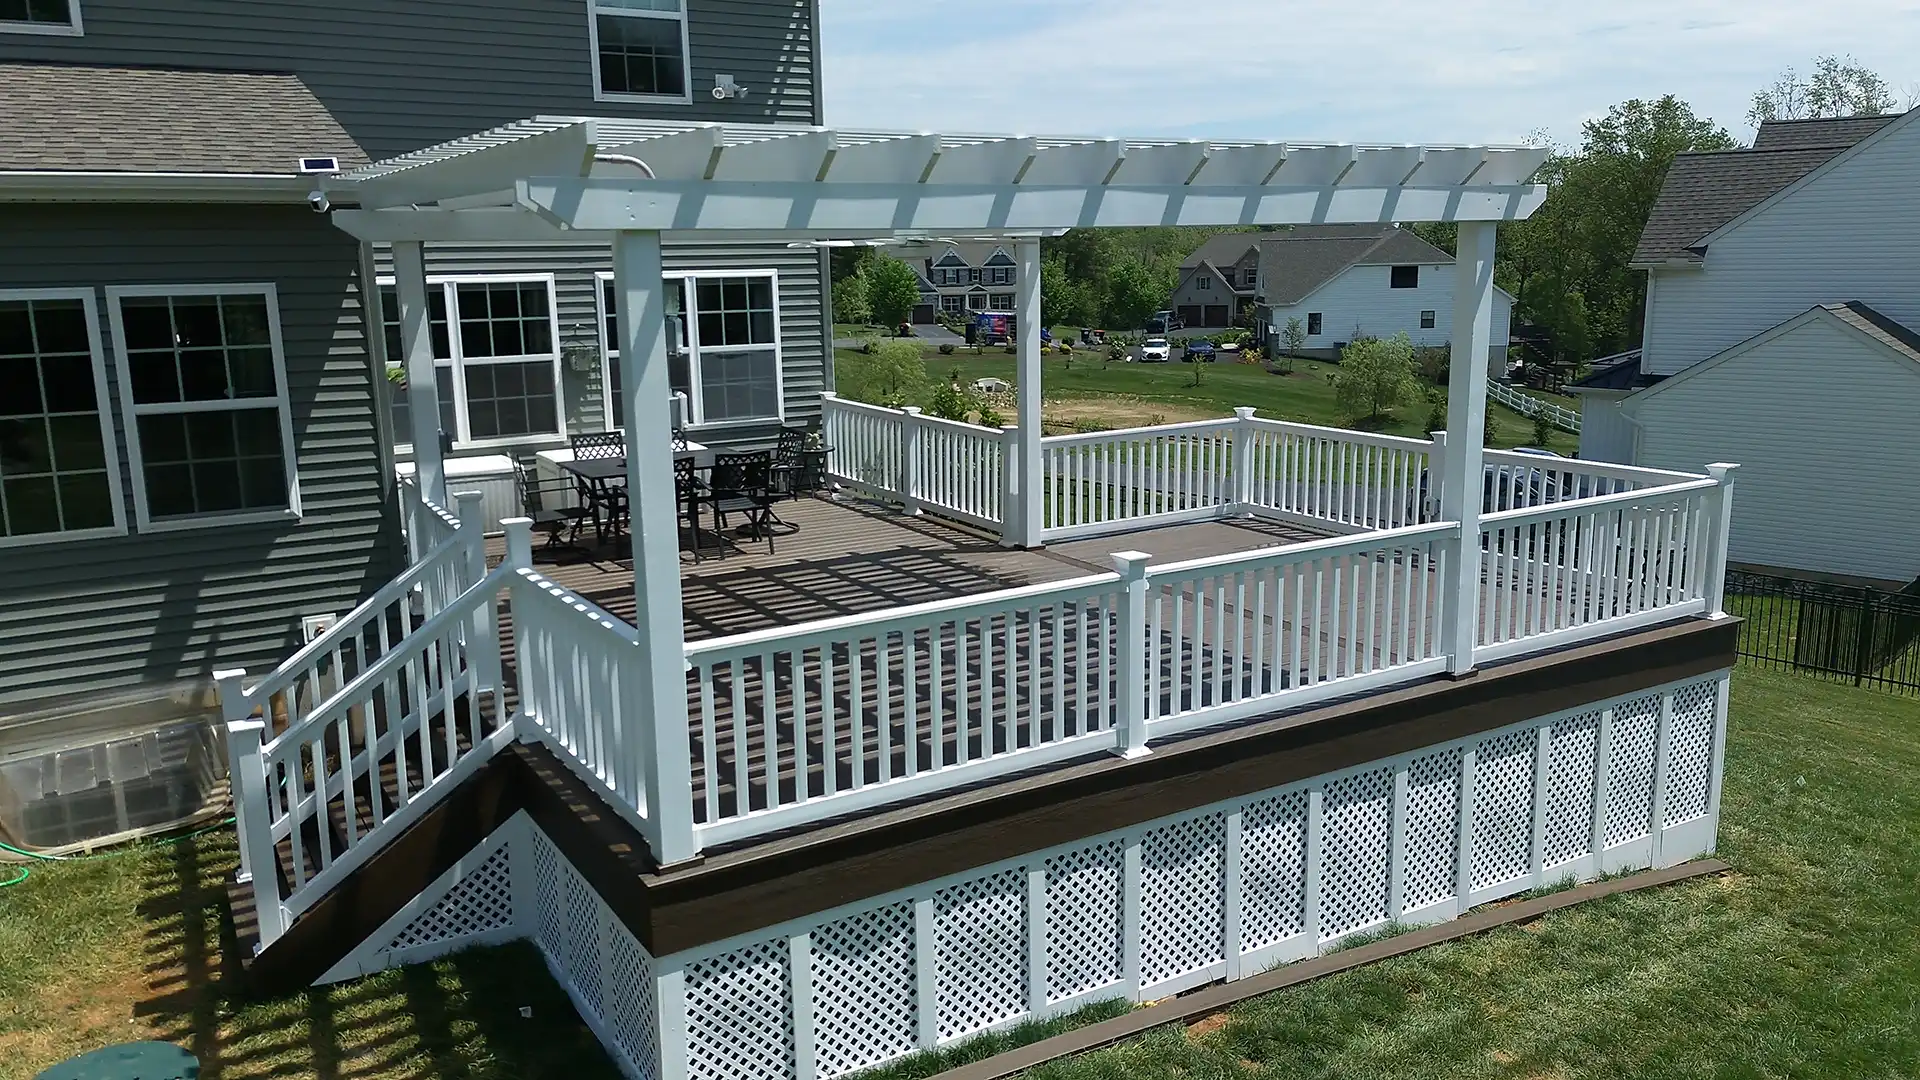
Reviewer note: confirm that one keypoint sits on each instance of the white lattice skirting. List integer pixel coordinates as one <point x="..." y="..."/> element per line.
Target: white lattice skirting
<point x="1220" y="892"/>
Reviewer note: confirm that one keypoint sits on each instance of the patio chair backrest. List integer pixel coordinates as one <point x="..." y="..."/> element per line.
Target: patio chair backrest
<point x="792" y="441"/>
<point x="680" y="441"/>
<point x="686" y="476"/>
<point x="530" y="491"/>
<point x="599" y="446"/>
<point x="741" y="474"/>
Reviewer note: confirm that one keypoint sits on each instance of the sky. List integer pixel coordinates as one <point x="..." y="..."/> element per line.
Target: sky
<point x="1399" y="71"/>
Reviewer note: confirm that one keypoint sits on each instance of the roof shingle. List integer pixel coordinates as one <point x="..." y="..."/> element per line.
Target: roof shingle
<point x="105" y="119"/>
<point x="1295" y="263"/>
<point x="1828" y="132"/>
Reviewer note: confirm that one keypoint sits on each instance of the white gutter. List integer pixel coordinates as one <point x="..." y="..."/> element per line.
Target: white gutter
<point x="62" y="186"/>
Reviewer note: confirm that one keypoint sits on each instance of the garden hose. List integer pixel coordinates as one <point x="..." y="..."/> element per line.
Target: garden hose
<point x="25" y="873"/>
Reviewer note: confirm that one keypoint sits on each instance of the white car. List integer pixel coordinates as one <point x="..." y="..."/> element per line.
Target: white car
<point x="1156" y="351"/>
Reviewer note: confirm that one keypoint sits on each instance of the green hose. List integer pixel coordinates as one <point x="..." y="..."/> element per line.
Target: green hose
<point x="25" y="873"/>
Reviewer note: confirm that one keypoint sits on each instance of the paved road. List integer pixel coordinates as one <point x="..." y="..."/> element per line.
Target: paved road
<point x="931" y="335"/>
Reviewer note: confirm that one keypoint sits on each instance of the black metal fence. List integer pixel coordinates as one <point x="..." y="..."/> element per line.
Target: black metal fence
<point x="1849" y="633"/>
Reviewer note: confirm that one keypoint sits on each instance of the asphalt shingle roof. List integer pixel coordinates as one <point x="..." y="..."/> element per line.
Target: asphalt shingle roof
<point x="1877" y="326"/>
<point x="1295" y="263"/>
<point x="1704" y="191"/>
<point x="1225" y="249"/>
<point x="1618" y="372"/>
<point x="108" y="119"/>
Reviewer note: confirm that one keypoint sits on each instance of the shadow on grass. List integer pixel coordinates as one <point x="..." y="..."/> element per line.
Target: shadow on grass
<point x="927" y="1063"/>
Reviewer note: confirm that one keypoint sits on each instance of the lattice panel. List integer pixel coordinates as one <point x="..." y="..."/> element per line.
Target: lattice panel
<point x="1273" y="870"/>
<point x="632" y="1018"/>
<point x="980" y="952"/>
<point x="1431" y="849"/>
<point x="864" y="989"/>
<point x="547" y="891"/>
<point x="479" y="902"/>
<point x="583" y="942"/>
<point x="1503" y="809"/>
<point x="1182" y="902"/>
<point x="1356" y="822"/>
<point x="1690" y="751"/>
<point x="739" y="1014"/>
<point x="1630" y="749"/>
<point x="1569" y="809"/>
<point x="1083" y="919"/>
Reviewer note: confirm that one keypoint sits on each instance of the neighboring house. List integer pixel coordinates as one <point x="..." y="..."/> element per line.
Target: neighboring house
<point x="1219" y="281"/>
<point x="191" y="385"/>
<point x="964" y="276"/>
<point x="1783" y="295"/>
<point x="1377" y="280"/>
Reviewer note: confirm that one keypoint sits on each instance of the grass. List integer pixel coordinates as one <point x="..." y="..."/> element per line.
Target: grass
<point x="1306" y="396"/>
<point x="1804" y="962"/>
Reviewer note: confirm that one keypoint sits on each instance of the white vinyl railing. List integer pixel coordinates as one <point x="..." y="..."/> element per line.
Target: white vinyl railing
<point x="426" y="525"/>
<point x="866" y="442"/>
<point x="1591" y="566"/>
<point x="1137" y="477"/>
<point x="1525" y="404"/>
<point x="1347" y="481"/>
<point x="923" y="462"/>
<point x="793" y="723"/>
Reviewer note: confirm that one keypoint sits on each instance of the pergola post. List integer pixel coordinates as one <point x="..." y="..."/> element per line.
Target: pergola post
<point x="657" y="699"/>
<point x="1461" y="474"/>
<point x="1027" y="315"/>
<point x="423" y="389"/>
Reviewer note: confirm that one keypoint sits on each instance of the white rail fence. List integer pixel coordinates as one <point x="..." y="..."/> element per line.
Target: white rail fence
<point x="1525" y="404"/>
<point x="923" y="462"/>
<point x="1136" y="478"/>
<point x="1345" y="481"/>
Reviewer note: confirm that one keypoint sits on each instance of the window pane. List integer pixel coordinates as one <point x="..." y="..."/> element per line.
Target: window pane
<point x="169" y="490"/>
<point x="38" y="11"/>
<point x="50" y="423"/>
<point x="198" y="348"/>
<point x="86" y="501"/>
<point x="738" y="386"/>
<point x="504" y="319"/>
<point x="76" y="443"/>
<point x="19" y="386"/>
<point x="23" y="447"/>
<point x="216" y="485"/>
<point x="145" y="321"/>
<point x="245" y="319"/>
<point x="196" y="321"/>
<point x="213" y="462"/>
<point x="68" y="381"/>
<point x="163" y="438"/>
<point x="155" y="377"/>
<point x="16" y="329"/>
<point x="640" y="56"/>
<point x="203" y="375"/>
<point x="60" y="326"/>
<point x="252" y="372"/>
<point x="640" y="5"/>
<point x="505" y="400"/>
<point x="32" y="507"/>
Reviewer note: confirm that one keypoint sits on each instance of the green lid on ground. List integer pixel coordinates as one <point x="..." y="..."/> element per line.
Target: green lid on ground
<point x="128" y="1061"/>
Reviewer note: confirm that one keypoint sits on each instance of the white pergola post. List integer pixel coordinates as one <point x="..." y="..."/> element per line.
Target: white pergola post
<point x="1461" y="474"/>
<point x="657" y="699"/>
<point x="1027" y="314"/>
<point x="423" y="389"/>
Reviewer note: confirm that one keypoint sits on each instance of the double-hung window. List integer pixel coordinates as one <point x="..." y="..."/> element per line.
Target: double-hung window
<point x="59" y="468"/>
<point x="203" y="385"/>
<point x="40" y="17"/>
<point x="1000" y="302"/>
<point x="496" y="360"/>
<point x="639" y="50"/>
<point x="728" y="364"/>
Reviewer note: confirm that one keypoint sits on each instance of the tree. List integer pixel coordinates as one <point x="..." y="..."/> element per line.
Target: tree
<point x="1293" y="338"/>
<point x="1133" y="293"/>
<point x="1375" y="375"/>
<point x="1838" y="86"/>
<point x="893" y="289"/>
<point x="850" y="301"/>
<point x="1063" y="300"/>
<point x="891" y="375"/>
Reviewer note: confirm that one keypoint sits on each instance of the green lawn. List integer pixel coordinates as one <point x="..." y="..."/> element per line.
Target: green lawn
<point x="1306" y="396"/>
<point x="1804" y="962"/>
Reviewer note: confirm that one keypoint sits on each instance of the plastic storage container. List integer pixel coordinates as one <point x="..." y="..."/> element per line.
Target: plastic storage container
<point x="85" y="771"/>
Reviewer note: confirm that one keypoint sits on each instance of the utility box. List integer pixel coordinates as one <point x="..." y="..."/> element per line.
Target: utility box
<point x="91" y="770"/>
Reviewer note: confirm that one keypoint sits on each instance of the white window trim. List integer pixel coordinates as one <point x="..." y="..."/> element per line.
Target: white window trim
<point x="594" y="11"/>
<point x="131" y="412"/>
<point x="696" y="405"/>
<point x="109" y="442"/>
<point x="71" y="28"/>
<point x="448" y="286"/>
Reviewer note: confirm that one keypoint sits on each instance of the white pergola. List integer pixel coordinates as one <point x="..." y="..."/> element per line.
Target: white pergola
<point x="636" y="183"/>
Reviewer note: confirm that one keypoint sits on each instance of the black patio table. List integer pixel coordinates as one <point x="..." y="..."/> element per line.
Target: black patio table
<point x="600" y="474"/>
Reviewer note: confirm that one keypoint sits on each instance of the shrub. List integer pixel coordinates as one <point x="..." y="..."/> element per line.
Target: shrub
<point x="1375" y="375"/>
<point x="888" y="373"/>
<point x="1437" y="417"/>
<point x="1542" y="429"/>
<point x="1433" y="363"/>
<point x="951" y="401"/>
<point x="946" y="348"/>
<point x="1492" y="434"/>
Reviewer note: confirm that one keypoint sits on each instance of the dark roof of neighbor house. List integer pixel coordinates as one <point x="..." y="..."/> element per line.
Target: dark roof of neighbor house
<point x="1704" y="191"/>
<point x="108" y="119"/>
<point x="1226" y="249"/>
<point x="1296" y="262"/>
<point x="968" y="252"/>
<point x="1621" y="371"/>
<point x="1894" y="335"/>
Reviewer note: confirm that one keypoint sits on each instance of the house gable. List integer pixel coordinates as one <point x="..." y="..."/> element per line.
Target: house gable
<point x="1900" y="344"/>
<point x="1813" y="177"/>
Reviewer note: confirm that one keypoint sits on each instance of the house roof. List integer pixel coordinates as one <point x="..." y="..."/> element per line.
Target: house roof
<point x="1893" y="335"/>
<point x="956" y="252"/>
<point x="1225" y="249"/>
<point x="1620" y="371"/>
<point x="1854" y="315"/>
<point x="1702" y="192"/>
<point x="133" y="120"/>
<point x="1295" y="263"/>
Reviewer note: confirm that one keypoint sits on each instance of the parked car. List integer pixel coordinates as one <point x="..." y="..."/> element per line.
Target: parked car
<point x="1199" y="349"/>
<point x="1156" y="351"/>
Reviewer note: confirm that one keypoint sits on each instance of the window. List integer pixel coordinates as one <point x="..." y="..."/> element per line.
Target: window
<point x="677" y="372"/>
<point x="204" y="388"/>
<point x="1313" y="324"/>
<point x="976" y="301"/>
<point x="1248" y="277"/>
<point x="59" y="468"/>
<point x="639" y="50"/>
<point x="1203" y="282"/>
<point x="1000" y="275"/>
<point x="1404" y="277"/>
<point x="1000" y="301"/>
<point x="1426" y="320"/>
<point x="729" y="357"/>
<point x="953" y="305"/>
<point x="40" y="17"/>
<point x="496" y="363"/>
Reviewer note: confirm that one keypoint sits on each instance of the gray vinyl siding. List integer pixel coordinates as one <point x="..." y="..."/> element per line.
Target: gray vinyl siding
<point x="147" y="608"/>
<point x="575" y="267"/>
<point x="402" y="74"/>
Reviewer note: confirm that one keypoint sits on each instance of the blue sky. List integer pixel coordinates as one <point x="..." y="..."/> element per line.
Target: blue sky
<point x="1475" y="71"/>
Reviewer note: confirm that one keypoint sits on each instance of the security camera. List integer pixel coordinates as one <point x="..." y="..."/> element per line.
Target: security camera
<point x="318" y="202"/>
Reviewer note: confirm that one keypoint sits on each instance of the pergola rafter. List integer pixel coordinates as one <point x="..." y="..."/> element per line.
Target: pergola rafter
<point x="639" y="183"/>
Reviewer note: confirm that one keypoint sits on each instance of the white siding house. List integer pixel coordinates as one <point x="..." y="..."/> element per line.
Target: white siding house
<point x="1363" y="298"/>
<point x="1821" y="413"/>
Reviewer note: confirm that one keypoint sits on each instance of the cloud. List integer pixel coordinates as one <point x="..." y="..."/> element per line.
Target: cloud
<point x="1476" y="71"/>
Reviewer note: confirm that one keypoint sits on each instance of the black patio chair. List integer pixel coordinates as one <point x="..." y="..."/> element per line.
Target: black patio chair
<point x="689" y="490"/>
<point x="544" y="502"/>
<point x="606" y="502"/>
<point x="598" y="446"/>
<point x="742" y="484"/>
<point x="789" y="463"/>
